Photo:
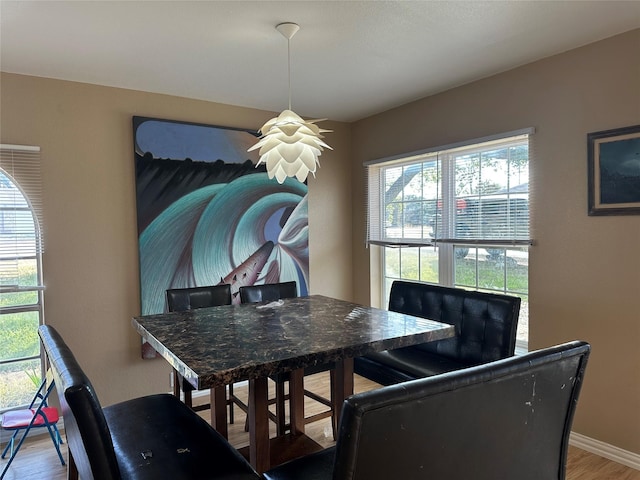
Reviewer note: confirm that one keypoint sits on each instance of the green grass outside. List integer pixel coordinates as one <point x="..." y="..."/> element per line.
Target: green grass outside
<point x="493" y="274"/>
<point x="421" y="264"/>
<point x="19" y="339"/>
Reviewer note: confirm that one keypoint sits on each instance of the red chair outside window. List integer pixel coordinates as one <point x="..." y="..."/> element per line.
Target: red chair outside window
<point x="38" y="415"/>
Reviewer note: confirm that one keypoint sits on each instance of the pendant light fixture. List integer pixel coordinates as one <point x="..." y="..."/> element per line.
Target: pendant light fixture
<point x="290" y="146"/>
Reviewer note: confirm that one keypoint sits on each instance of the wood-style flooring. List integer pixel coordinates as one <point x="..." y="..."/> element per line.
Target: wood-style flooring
<point x="37" y="459"/>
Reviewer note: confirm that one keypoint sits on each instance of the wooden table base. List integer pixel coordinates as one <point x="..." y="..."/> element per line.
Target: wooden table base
<point x="264" y="452"/>
<point x="287" y="447"/>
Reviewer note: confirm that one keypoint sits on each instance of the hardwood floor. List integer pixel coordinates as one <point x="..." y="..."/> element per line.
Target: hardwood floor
<point x="37" y="459"/>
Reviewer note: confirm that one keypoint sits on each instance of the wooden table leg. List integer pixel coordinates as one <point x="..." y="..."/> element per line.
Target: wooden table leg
<point x="259" y="451"/>
<point x="219" y="410"/>
<point x="72" y="469"/>
<point x="296" y="400"/>
<point x="343" y="386"/>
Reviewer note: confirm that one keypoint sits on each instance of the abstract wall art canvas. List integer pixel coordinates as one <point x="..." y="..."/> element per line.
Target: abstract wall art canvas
<point x="207" y="215"/>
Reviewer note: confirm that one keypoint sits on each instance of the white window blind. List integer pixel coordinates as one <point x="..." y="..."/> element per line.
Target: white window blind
<point x="473" y="193"/>
<point x="21" y="241"/>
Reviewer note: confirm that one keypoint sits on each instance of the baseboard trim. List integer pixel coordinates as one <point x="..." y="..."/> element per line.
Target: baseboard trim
<point x="605" y="450"/>
<point x="206" y="393"/>
<point x="5" y="435"/>
<point x="200" y="393"/>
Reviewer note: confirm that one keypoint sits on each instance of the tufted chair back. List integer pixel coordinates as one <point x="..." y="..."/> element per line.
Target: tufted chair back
<point x="485" y="323"/>
<point x="505" y="419"/>
<point x="183" y="299"/>
<point x="268" y="292"/>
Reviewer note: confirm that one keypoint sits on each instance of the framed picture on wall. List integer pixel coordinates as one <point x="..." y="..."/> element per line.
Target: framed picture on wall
<point x="614" y="171"/>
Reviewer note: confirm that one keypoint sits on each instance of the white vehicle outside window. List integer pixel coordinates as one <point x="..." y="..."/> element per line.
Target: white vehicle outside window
<point x="456" y="216"/>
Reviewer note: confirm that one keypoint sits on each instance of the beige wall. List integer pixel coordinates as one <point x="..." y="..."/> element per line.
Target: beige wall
<point x="584" y="279"/>
<point x="91" y="258"/>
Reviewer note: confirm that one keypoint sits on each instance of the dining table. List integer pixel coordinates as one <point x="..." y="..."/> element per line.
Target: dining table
<point x="218" y="346"/>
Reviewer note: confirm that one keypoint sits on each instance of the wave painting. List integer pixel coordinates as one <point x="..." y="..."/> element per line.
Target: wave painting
<point x="211" y="217"/>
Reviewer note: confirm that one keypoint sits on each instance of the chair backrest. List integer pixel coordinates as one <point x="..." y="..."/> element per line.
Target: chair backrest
<point x="486" y="323"/>
<point x="182" y="299"/>
<point x="86" y="428"/>
<point x="268" y="292"/>
<point x="505" y="419"/>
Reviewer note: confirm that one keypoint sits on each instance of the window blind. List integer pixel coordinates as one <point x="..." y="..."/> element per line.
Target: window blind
<point x="470" y="193"/>
<point x="21" y="242"/>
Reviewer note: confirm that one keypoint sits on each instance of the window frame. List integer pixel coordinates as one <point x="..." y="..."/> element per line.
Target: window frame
<point x="21" y="165"/>
<point x="446" y="258"/>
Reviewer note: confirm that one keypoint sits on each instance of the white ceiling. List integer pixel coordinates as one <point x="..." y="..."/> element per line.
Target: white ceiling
<point x="350" y="59"/>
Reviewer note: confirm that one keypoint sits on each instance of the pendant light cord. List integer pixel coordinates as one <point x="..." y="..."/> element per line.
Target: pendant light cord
<point x="289" y="68"/>
<point x="288" y="30"/>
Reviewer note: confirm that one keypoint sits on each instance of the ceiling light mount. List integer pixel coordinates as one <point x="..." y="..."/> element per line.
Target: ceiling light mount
<point x="288" y="29"/>
<point x="290" y="146"/>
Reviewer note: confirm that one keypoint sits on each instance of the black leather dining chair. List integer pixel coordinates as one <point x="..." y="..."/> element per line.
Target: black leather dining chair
<point x="486" y="326"/>
<point x="270" y="292"/>
<point x="506" y="419"/>
<point x="145" y="438"/>
<point x="183" y="299"/>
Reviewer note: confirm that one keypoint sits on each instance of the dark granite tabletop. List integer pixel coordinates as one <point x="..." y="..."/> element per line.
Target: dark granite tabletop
<point x="222" y="345"/>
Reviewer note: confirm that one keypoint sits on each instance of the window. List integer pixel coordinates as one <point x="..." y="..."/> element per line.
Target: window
<point x="21" y="291"/>
<point x="456" y="216"/>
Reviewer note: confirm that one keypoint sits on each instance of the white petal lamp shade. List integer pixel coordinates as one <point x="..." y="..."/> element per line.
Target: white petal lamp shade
<point x="290" y="146"/>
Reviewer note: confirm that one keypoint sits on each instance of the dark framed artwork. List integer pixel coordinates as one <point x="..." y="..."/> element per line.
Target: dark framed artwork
<point x="614" y="171"/>
<point x="206" y="215"/>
